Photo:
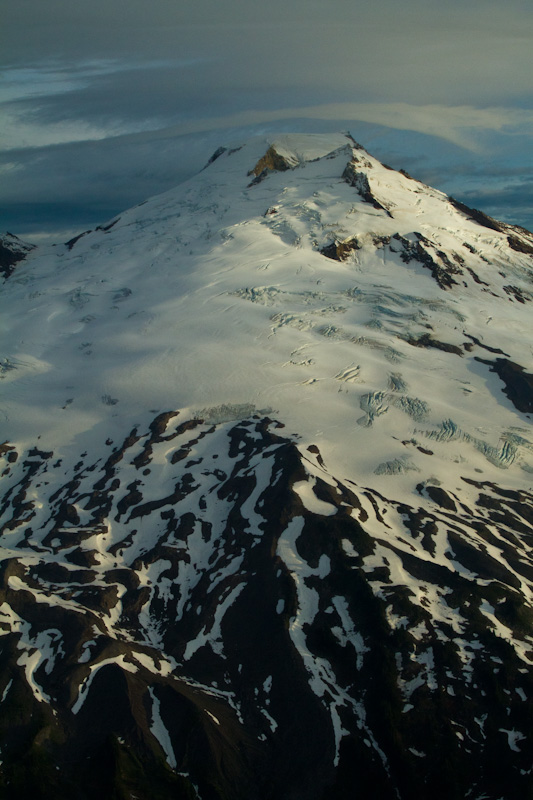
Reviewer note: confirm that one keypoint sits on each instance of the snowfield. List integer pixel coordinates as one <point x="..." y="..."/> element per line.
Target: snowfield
<point x="217" y="294"/>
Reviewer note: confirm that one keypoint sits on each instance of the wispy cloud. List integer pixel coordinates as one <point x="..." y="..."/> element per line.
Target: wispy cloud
<point x="50" y="78"/>
<point x="461" y="125"/>
<point x="464" y="125"/>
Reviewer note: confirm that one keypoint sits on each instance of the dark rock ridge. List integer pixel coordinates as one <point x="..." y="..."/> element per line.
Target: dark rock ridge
<point x="12" y="251"/>
<point x="208" y="612"/>
<point x="427" y="340"/>
<point x="518" y="238"/>
<point x="359" y="181"/>
<point x="518" y="383"/>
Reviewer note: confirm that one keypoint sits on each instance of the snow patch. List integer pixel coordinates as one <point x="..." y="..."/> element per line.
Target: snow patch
<point x="158" y="729"/>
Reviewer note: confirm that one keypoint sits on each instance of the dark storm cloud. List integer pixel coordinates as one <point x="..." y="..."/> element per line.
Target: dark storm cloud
<point x="417" y="50"/>
<point x="161" y="92"/>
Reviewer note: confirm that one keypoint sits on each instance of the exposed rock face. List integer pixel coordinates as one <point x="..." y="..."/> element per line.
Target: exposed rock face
<point x="12" y="251"/>
<point x="440" y="265"/>
<point x="340" y="251"/>
<point x="518" y="238"/>
<point x="272" y="161"/>
<point x="359" y="180"/>
<point x="518" y="382"/>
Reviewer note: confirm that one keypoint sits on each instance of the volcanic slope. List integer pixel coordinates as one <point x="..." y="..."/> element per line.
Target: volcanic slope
<point x="266" y="494"/>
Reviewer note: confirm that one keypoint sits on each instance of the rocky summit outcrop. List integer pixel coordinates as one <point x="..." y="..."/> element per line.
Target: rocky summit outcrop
<point x="266" y="511"/>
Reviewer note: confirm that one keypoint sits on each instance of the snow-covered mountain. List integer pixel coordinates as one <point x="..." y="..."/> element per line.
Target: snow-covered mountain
<point x="266" y="498"/>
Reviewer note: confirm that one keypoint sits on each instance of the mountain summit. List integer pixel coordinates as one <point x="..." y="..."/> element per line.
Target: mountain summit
<point x="266" y="494"/>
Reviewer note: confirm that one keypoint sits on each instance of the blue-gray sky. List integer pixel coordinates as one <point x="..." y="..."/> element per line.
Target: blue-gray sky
<point x="104" y="104"/>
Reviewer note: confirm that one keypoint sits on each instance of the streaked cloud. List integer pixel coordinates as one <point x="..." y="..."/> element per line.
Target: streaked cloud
<point x="461" y="125"/>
